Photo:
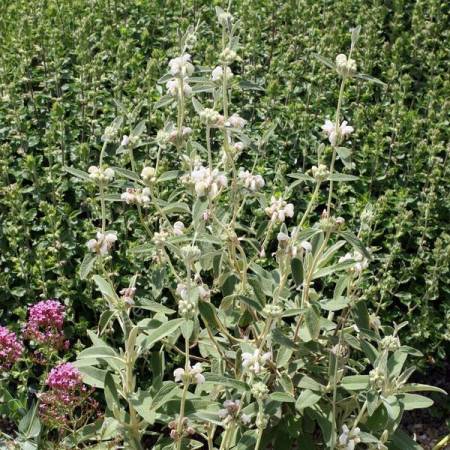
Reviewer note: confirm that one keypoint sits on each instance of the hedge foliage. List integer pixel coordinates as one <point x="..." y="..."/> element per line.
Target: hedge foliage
<point x="68" y="67"/>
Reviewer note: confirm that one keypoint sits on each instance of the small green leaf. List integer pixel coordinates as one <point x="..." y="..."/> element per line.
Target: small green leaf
<point x="355" y="382"/>
<point x="414" y="401"/>
<point x="161" y="332"/>
<point x="282" y="397"/>
<point x="307" y="399"/>
<point x="77" y="173"/>
<point x="87" y="265"/>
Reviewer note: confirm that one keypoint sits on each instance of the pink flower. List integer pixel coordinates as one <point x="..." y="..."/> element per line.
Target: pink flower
<point x="10" y="348"/>
<point x="45" y="324"/>
<point x="64" y="377"/>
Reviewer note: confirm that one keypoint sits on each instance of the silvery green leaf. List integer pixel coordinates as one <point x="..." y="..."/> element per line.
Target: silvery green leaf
<point x="161" y="332"/>
<point x="87" y="264"/>
<point x="356" y="243"/>
<point x="301" y="176"/>
<point x="150" y="305"/>
<point x="169" y="175"/>
<point x="127" y="174"/>
<point x="77" y="173"/>
<point x="222" y="380"/>
<point x="414" y="401"/>
<point x="164" y="101"/>
<point x="355" y="34"/>
<point x="138" y="129"/>
<point x="355" y="382"/>
<point x="282" y="397"/>
<point x="325" y="61"/>
<point x="30" y="425"/>
<point x="105" y="287"/>
<point x="342" y="177"/>
<point x="197" y="105"/>
<point x="307" y="399"/>
<point x="334" y="304"/>
<point x="312" y="320"/>
<point x="417" y="387"/>
<point x="366" y="77"/>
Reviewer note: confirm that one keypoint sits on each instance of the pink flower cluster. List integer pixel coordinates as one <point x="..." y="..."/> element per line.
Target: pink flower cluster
<point x="45" y="324"/>
<point x="64" y="377"/>
<point x="67" y="399"/>
<point x="10" y="348"/>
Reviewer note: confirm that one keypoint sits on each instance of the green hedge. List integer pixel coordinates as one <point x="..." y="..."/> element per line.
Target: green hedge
<point x="68" y="67"/>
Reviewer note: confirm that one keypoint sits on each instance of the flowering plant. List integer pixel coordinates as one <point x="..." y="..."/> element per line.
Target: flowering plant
<point x="269" y="306"/>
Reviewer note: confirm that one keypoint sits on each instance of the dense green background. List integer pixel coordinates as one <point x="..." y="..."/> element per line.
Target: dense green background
<point x="66" y="64"/>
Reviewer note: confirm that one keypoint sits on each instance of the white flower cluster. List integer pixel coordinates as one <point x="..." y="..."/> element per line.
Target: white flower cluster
<point x="224" y="18"/>
<point x="390" y="343"/>
<point x="235" y="121"/>
<point x="345" y="67"/>
<point x="260" y="391"/>
<point x="110" y="134"/>
<point x="129" y="140"/>
<point x="228" y="56"/>
<point x="337" y="135"/>
<point x="101" y="175"/>
<point x="173" y="87"/>
<point x="181" y="66"/>
<point x="148" y="175"/>
<point x="170" y="135"/>
<point x="207" y="182"/>
<point x="348" y="439"/>
<point x="211" y="117"/>
<point x="178" y="228"/>
<point x="136" y="197"/>
<point x="217" y="73"/>
<point x="279" y="210"/>
<point x="289" y="244"/>
<point x="255" y="362"/>
<point x="103" y="244"/>
<point x="193" y="375"/>
<point x="361" y="262"/>
<point x="320" y="173"/>
<point x="251" y="182"/>
<point x="230" y="412"/>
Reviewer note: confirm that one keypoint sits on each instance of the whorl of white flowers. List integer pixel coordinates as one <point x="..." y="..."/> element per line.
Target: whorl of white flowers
<point x="279" y="209"/>
<point x="148" y="175"/>
<point x="348" y="439"/>
<point x="390" y="343"/>
<point x="225" y="18"/>
<point x="174" y="135"/>
<point x="217" y="73"/>
<point x="228" y="56"/>
<point x="207" y="182"/>
<point x="320" y="173"/>
<point x="190" y="253"/>
<point x="260" y="391"/>
<point x="160" y="237"/>
<point x="173" y="87"/>
<point x="211" y="117"/>
<point x="306" y="246"/>
<point x="181" y="66"/>
<point x="136" y="197"/>
<point x="193" y="375"/>
<point x="337" y="135"/>
<point x="255" y="362"/>
<point x="273" y="311"/>
<point x="101" y="175"/>
<point x="376" y="378"/>
<point x="235" y="121"/>
<point x="251" y="182"/>
<point x="346" y="67"/>
<point x="230" y="412"/>
<point x="103" y="244"/>
<point x="110" y="134"/>
<point x="361" y="262"/>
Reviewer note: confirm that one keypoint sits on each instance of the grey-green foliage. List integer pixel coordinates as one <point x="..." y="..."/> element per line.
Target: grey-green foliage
<point x="268" y="300"/>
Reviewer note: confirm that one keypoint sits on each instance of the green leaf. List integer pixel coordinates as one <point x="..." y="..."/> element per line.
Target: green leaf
<point x="92" y="376"/>
<point x="414" y="401"/>
<point x="161" y="332"/>
<point x="87" y="265"/>
<point x="312" y="320"/>
<point x="334" y="304"/>
<point x="128" y="174"/>
<point x="209" y="315"/>
<point x="166" y="393"/>
<point x="355" y="382"/>
<point x="105" y="287"/>
<point x="417" y="387"/>
<point x="150" y="305"/>
<point x="30" y="425"/>
<point x="111" y="394"/>
<point x="282" y="397"/>
<point x="324" y="60"/>
<point x="222" y="380"/>
<point x="366" y="77"/>
<point x="356" y="243"/>
<point x="401" y="441"/>
<point x="78" y="173"/>
<point x="308" y="383"/>
<point x="169" y="175"/>
<point x="297" y="271"/>
<point x="307" y="399"/>
<point x="164" y="101"/>
<point x="342" y="177"/>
